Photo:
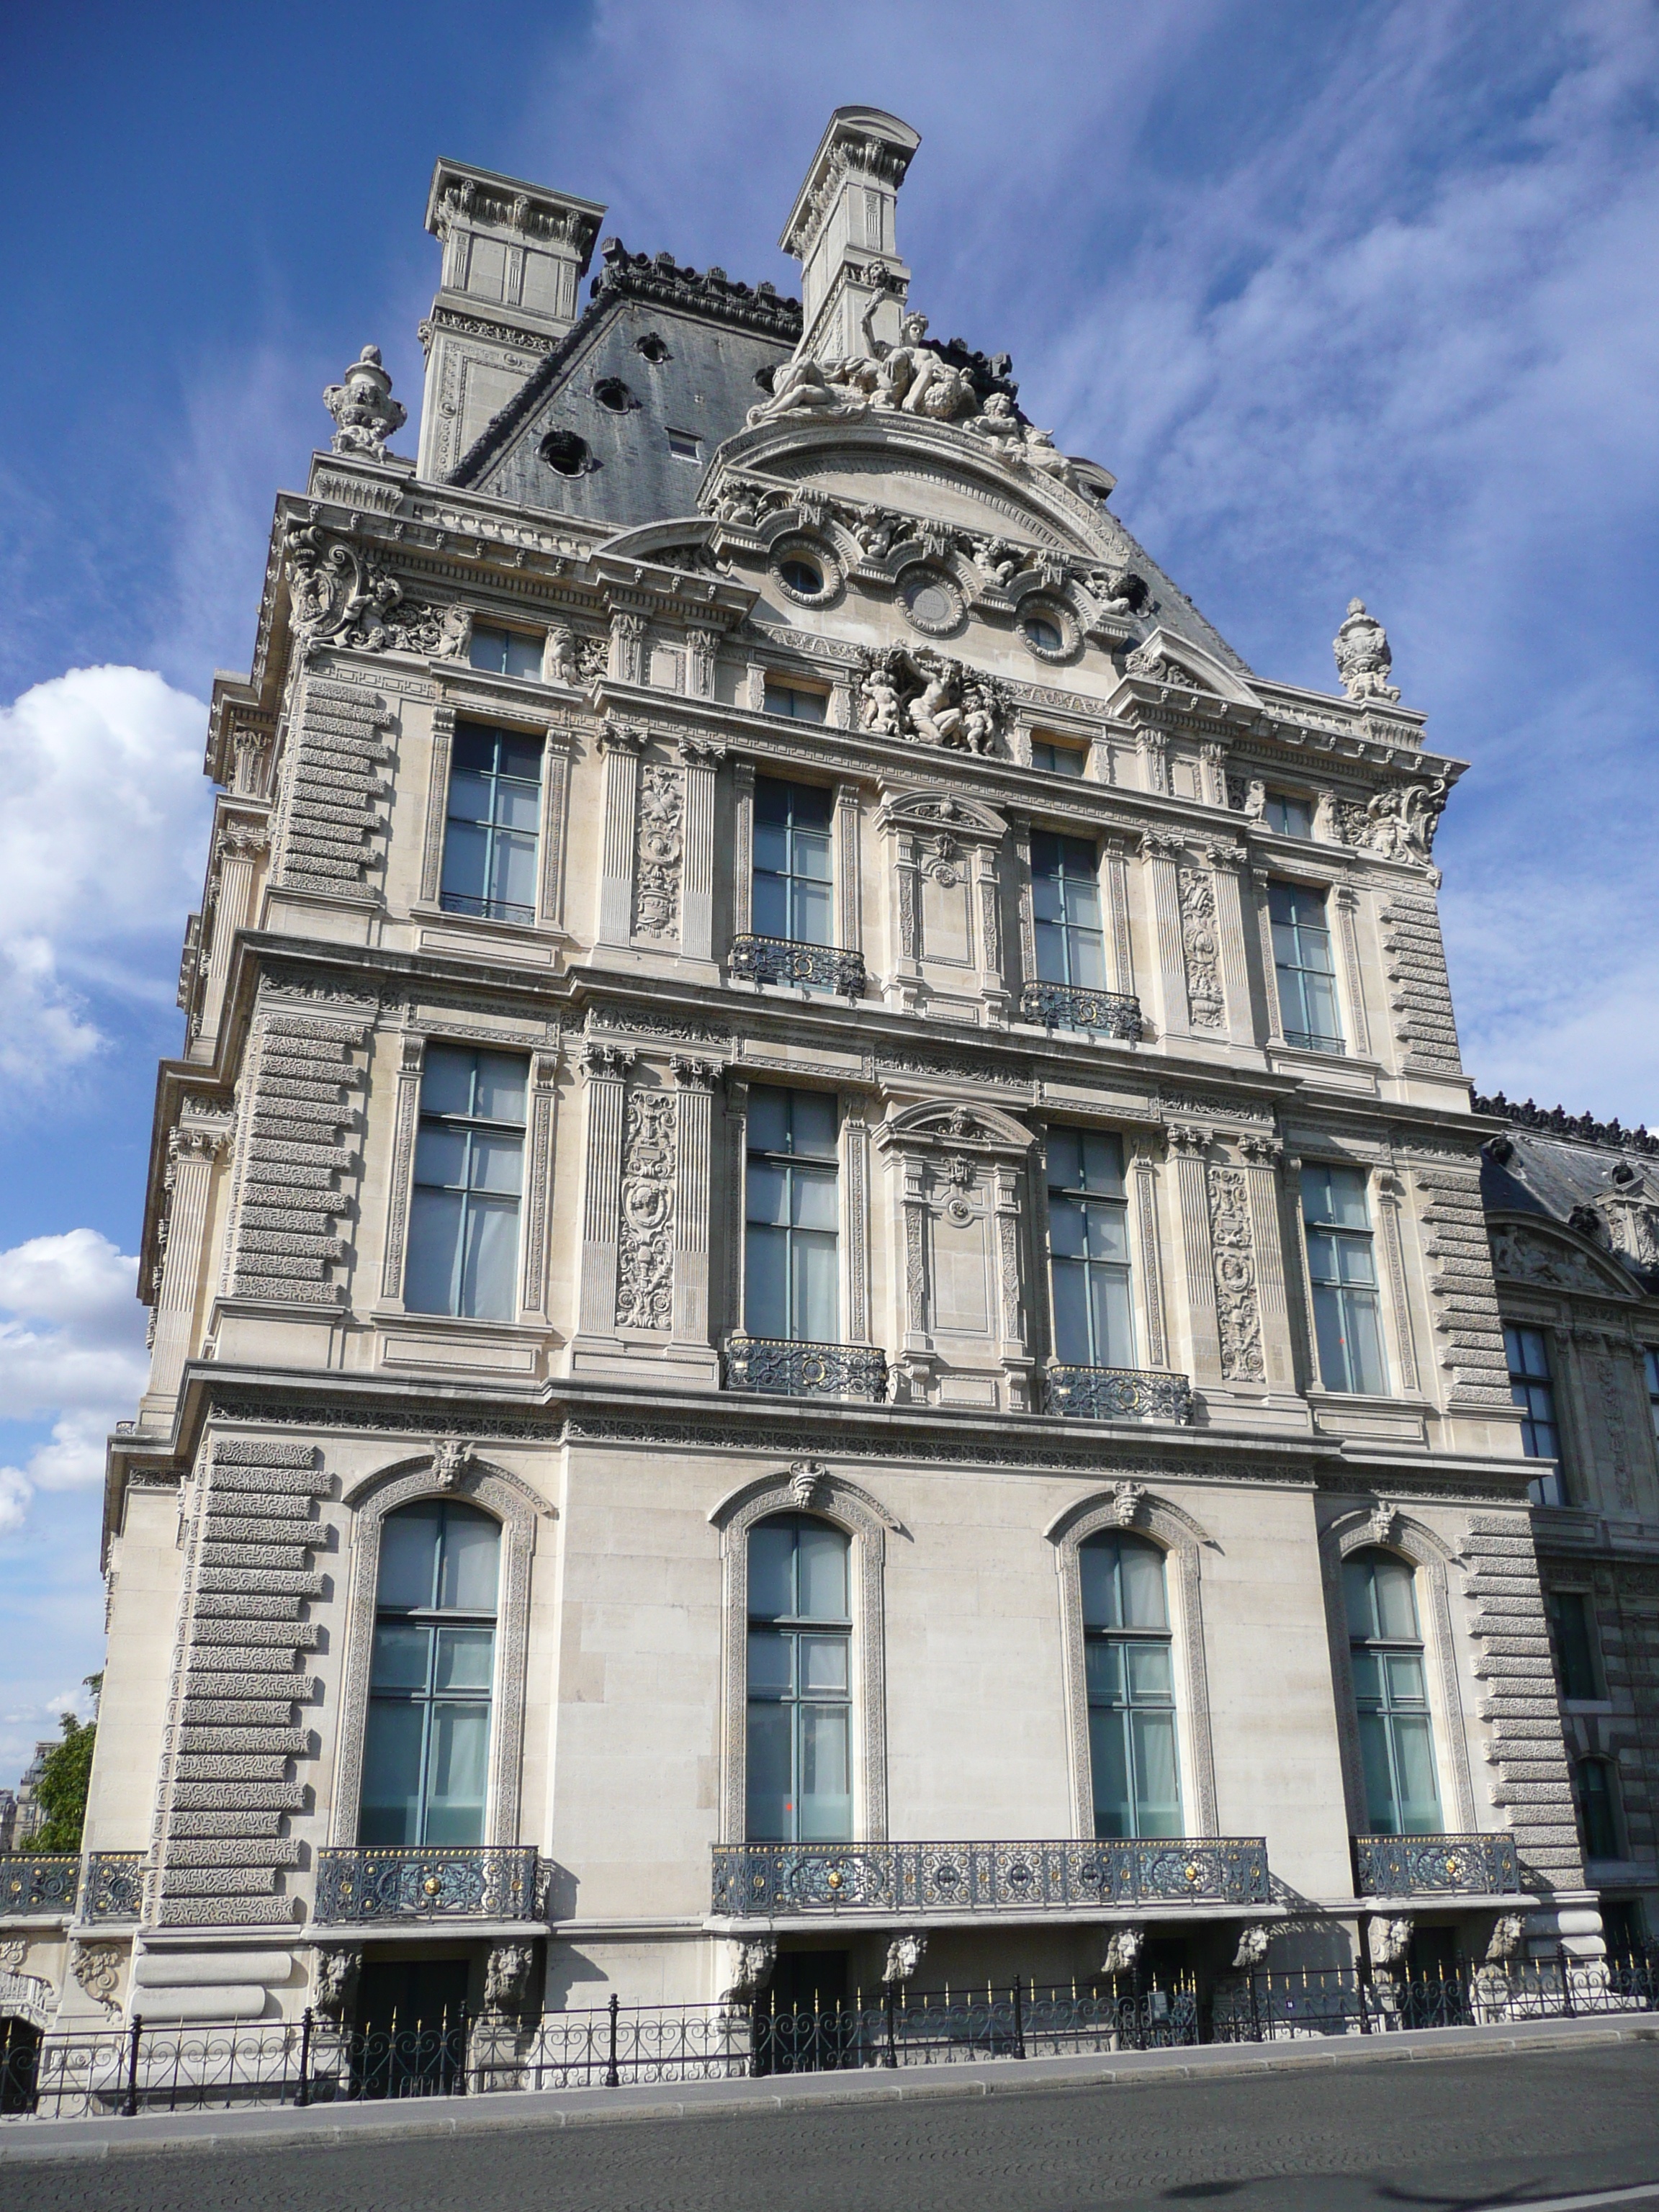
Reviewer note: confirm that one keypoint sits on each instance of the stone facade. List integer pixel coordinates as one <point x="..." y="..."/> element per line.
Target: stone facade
<point x="686" y="555"/>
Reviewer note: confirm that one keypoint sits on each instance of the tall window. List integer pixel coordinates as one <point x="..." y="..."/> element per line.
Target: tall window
<point x="1342" y="1272"/>
<point x="1089" y="1249"/>
<point x="792" y="898"/>
<point x="505" y="652"/>
<point x="491" y="834"/>
<point x="1307" y="976"/>
<point x="1071" y="946"/>
<point x="791" y="1243"/>
<point x="1598" y="1824"/>
<point x="1130" y="1672"/>
<point x="1534" y="1391"/>
<point x="425" y="1761"/>
<point x="469" y="1173"/>
<point x="1575" y="1643"/>
<point x="799" y="1751"/>
<point x="1390" y="1689"/>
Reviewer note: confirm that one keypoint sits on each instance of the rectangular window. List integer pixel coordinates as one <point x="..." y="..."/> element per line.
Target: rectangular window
<point x="1651" y="1363"/>
<point x="1292" y="817"/>
<point x="792" y="894"/>
<point x="1533" y="1390"/>
<point x="1596" y="1816"/>
<point x="1342" y="1270"/>
<point x="1089" y="1249"/>
<point x="800" y="703"/>
<point x="1575" y="1643"/>
<point x="1307" y="976"/>
<point x="1059" y="759"/>
<point x="493" y="830"/>
<point x="506" y="652"/>
<point x="791" y="1242"/>
<point x="468" y="1176"/>
<point x="685" y="444"/>
<point x="1071" y="945"/>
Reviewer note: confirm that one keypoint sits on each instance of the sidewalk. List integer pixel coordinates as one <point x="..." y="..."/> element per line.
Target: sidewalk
<point x="282" y="2128"/>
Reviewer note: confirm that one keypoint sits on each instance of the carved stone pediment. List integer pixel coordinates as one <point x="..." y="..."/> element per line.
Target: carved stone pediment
<point x="1522" y="1253"/>
<point x="948" y="1126"/>
<point x="941" y="811"/>
<point x="1177" y="663"/>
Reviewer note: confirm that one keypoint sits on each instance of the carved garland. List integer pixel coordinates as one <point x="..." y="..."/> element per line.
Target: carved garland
<point x="645" y="1253"/>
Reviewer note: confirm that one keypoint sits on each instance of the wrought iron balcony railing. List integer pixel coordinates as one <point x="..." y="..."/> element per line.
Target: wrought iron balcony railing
<point x="114" y="1886"/>
<point x="1118" y="1394"/>
<point x="1063" y="1007"/>
<point x="769" y="1881"/>
<point x="38" y="1882"/>
<point x="1429" y="1866"/>
<point x="806" y="1371"/>
<point x="779" y="960"/>
<point x="466" y="1882"/>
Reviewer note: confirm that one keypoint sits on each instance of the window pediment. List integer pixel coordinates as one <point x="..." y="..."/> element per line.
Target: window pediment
<point x="945" y="1125"/>
<point x="1555" y="1258"/>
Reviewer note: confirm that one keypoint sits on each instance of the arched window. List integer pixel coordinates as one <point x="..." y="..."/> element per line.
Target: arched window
<point x="1396" y="1743"/>
<point x="800" y="1746"/>
<point x="425" y="1761"/>
<point x="1128" y="1665"/>
<point x="1598" y="1821"/>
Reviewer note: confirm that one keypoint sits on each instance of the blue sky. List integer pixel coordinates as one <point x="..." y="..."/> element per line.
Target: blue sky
<point x="1352" y="295"/>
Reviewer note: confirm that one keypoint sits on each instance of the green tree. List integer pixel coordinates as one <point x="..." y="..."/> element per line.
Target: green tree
<point x="65" y="1773"/>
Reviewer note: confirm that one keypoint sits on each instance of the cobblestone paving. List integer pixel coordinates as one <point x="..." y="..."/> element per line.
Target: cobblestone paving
<point x="1453" y="2135"/>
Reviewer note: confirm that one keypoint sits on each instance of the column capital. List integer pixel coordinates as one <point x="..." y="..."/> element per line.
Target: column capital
<point x="701" y="752"/>
<point x="601" y="1062"/>
<point x="694" y="1074"/>
<point x="621" y="736"/>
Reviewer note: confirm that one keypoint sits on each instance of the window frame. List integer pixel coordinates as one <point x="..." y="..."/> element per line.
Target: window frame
<point x="1300" y="1035"/>
<point x="1650" y="1372"/>
<point x="1059" y="928"/>
<point x="1056" y="748"/>
<point x="1386" y="1708"/>
<point x="535" y="639"/>
<point x="821" y="1167"/>
<point x="791" y="876"/>
<point x="1555" y="1603"/>
<point x="1344" y="1237"/>
<point x="482" y="906"/>
<point x="469" y="1125"/>
<point x="800" y="1700"/>
<point x="1550" y="1487"/>
<point x="1124" y="1270"/>
<point x="1129" y="1702"/>
<point x="1583" y="1765"/>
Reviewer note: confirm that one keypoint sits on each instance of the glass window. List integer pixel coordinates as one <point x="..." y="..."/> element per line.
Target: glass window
<point x="494" y="825"/>
<point x="1651" y="1363"/>
<point x="1089" y="1249"/>
<point x="1292" y="817"/>
<point x="426" y="1758"/>
<point x="792" y="894"/>
<point x="1575" y="1643"/>
<point x="1532" y="1389"/>
<point x="685" y="444"/>
<point x="799" y="705"/>
<point x="506" y="652"/>
<point x="1129" y="1666"/>
<point x="1396" y="1743"/>
<point x="791" y="1242"/>
<point x="1071" y="946"/>
<point x="1307" y="976"/>
<point x="469" y="1172"/>
<point x="800" y="1749"/>
<point x="1059" y="759"/>
<point x="1342" y="1272"/>
<point x="1597" y="1821"/>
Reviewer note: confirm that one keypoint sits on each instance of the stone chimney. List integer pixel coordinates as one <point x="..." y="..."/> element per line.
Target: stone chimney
<point x="841" y="230"/>
<point x="514" y="256"/>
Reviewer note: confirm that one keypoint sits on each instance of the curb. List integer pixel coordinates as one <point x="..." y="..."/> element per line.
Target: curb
<point x="286" y="2129"/>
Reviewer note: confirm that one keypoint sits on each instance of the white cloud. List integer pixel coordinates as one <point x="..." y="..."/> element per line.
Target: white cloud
<point x="102" y="806"/>
<point x="72" y="1352"/>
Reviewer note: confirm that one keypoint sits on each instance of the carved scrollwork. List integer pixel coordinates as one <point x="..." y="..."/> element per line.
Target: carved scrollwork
<point x="645" y="1253"/>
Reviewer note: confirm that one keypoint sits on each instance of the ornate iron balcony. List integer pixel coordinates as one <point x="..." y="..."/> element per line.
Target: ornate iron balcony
<point x="467" y="1881"/>
<point x="806" y="1371"/>
<point x="1429" y="1865"/>
<point x="115" y="1885"/>
<point x="779" y="960"/>
<point x="45" y="1882"/>
<point x="769" y="1881"/>
<point x="1118" y="1394"/>
<point x="1061" y="1006"/>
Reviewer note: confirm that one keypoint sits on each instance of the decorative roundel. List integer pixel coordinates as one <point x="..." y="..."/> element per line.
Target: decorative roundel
<point x="932" y="601"/>
<point x="1048" y="631"/>
<point x="805" y="571"/>
<point x="653" y="346"/>
<point x="564" y="451"/>
<point x="612" y="392"/>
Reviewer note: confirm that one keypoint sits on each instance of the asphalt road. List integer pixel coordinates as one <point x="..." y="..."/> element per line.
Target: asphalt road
<point x="1455" y="2136"/>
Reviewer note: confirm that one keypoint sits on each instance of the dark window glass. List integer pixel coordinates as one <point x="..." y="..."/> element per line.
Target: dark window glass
<point x="1058" y="760"/>
<point x="1292" y="817"/>
<point x="799" y="1751"/>
<point x="1342" y="1274"/>
<point x="491" y="837"/>
<point x="1302" y="958"/>
<point x="506" y="652"/>
<point x="1597" y="1817"/>
<point x="1066" y="908"/>
<point x="1385" y="1649"/>
<point x="1532" y="1389"/>
<point x="1042" y="634"/>
<point x="1089" y="1249"/>
<point x="425" y="1755"/>
<point x="801" y="576"/>
<point x="801" y="706"/>
<point x="791" y="1243"/>
<point x="469" y="1169"/>
<point x="1129" y="1666"/>
<point x="1650" y="1364"/>
<point x="685" y="444"/>
<point x="1575" y="1643"/>
<point x="792" y="890"/>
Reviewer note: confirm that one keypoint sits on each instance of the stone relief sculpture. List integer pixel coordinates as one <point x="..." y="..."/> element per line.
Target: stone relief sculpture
<point x="1402" y="819"/>
<point x="1238" y="1309"/>
<point x="1363" y="658"/>
<point x="904" y="1954"/>
<point x="508" y="1977"/>
<point x="913" y="692"/>
<point x="572" y="660"/>
<point x="334" y="1979"/>
<point x="338" y="596"/>
<point x="645" y="1245"/>
<point x="1531" y="1259"/>
<point x="660" y="851"/>
<point x="97" y="1967"/>
<point x="365" y="413"/>
<point x="1201" y="945"/>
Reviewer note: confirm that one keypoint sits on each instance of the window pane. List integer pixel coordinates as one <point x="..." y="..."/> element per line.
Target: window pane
<point x="1404" y="1670"/>
<point x="824" y="1665"/>
<point x="513" y="877"/>
<point x="1046" y="898"/>
<point x="813" y="919"/>
<point x="434" y="1231"/>
<point x="1595" y="1801"/>
<point x="458" y="1765"/>
<point x="826" y="1805"/>
<point x="766" y="1263"/>
<point x="446" y="1080"/>
<point x="1072" y="1343"/>
<point x="1065" y="1154"/>
<point x="466" y="1659"/>
<point x="469" y="800"/>
<point x="771" y="1556"/>
<point x="1157" y="1807"/>
<point x="1357" y="1592"/>
<point x="1096" y="1561"/>
<point x="1050" y="953"/>
<point x="770" y="1784"/>
<point x="496" y="1162"/>
<point x="1365" y="1344"/>
<point x="767" y="1121"/>
<point x="1397" y="1600"/>
<point x="1150" y="1680"/>
<point x="815" y="1319"/>
<point x="771" y="1664"/>
<point x="1109" y="1232"/>
<point x="1103" y="1670"/>
<point x="1114" y="1319"/>
<point x="812" y="1199"/>
<point x="521" y="757"/>
<point x="1142" y="1570"/>
<point x="1347" y="1188"/>
<point x="409" y="1557"/>
<point x="822" y="1572"/>
<point x="1109" y="1762"/>
<point x="1573" y="1645"/>
<point x="489" y="1263"/>
<point x="770" y="906"/>
<point x="441" y="1154"/>
<point x="1088" y="961"/>
<point x="1380" y="1807"/>
<point x="401" y="1654"/>
<point x="391" y="1773"/>
<point x="487" y="648"/>
<point x="474" y="748"/>
<point x="811" y="852"/>
<point x="1102" y="1160"/>
<point x="1068" y="1229"/>
<point x="813" y="1123"/>
<point x="471" y="1549"/>
<point x="1328" y="1326"/>
<point x="1367" y="1677"/>
<point x="767" y="1196"/>
<point x="501" y="1078"/>
<point x="523" y="654"/>
<point x="1414" y="1756"/>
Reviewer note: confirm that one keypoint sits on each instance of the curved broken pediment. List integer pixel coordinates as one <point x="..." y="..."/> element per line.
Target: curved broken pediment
<point x="1176" y="663"/>
<point x="942" y="811"/>
<point x="1532" y="1251"/>
<point x="950" y="1124"/>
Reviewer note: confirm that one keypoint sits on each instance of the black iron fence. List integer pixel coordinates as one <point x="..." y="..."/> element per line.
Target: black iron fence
<point x="125" y="2070"/>
<point x="110" y="1886"/>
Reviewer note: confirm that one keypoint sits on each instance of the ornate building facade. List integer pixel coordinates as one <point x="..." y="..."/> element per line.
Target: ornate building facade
<point x="816" y="1252"/>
